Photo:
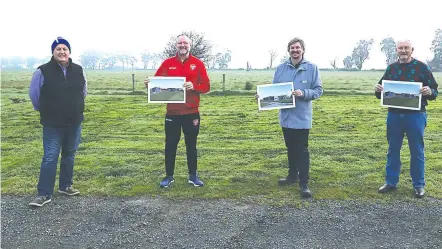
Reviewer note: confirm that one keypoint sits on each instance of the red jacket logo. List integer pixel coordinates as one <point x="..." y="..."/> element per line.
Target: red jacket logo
<point x="192" y="66"/>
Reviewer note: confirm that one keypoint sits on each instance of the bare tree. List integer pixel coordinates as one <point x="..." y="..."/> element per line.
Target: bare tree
<point x="272" y="57"/>
<point x="248" y="66"/>
<point x="145" y="58"/>
<point x="131" y="60"/>
<point x="334" y="62"/>
<point x="155" y="59"/>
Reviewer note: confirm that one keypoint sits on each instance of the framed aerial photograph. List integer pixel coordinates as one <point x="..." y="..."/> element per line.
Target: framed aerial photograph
<point x="401" y="94"/>
<point x="275" y="96"/>
<point x="166" y="90"/>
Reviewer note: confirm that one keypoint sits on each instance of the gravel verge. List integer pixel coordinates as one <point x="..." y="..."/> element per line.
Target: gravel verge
<point x="99" y="222"/>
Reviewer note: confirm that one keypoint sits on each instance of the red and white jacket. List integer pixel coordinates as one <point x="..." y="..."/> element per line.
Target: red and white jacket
<point x="195" y="71"/>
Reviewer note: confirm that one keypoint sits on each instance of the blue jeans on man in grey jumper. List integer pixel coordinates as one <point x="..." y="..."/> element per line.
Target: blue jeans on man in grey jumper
<point x="66" y="139"/>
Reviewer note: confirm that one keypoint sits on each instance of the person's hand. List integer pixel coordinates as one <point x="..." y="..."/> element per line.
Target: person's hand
<point x="256" y="97"/>
<point x="188" y="85"/>
<point x="146" y="82"/>
<point x="426" y="91"/>
<point x="297" y="93"/>
<point x="378" y="88"/>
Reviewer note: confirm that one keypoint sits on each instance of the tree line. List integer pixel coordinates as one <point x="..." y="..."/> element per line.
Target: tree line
<point x="203" y="49"/>
<point x="388" y="47"/>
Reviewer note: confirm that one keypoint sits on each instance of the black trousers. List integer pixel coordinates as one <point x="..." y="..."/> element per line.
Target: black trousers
<point x="190" y="123"/>
<point x="296" y="141"/>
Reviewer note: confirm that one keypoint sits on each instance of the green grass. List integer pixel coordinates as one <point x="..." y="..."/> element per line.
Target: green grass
<point x="164" y="96"/>
<point x="241" y="150"/>
<point x="399" y="101"/>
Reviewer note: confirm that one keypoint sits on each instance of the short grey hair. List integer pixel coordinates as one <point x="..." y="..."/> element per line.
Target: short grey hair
<point x="404" y="41"/>
<point x="190" y="41"/>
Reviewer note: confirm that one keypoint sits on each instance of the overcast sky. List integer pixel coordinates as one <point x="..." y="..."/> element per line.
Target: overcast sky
<point x="247" y="28"/>
<point x="402" y="88"/>
<point x="275" y="90"/>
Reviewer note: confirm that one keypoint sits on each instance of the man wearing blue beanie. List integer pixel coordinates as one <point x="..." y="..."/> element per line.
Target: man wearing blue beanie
<point x="58" y="41"/>
<point x="57" y="90"/>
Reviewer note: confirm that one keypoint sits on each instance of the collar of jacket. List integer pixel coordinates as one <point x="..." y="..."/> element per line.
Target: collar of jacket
<point x="302" y="64"/>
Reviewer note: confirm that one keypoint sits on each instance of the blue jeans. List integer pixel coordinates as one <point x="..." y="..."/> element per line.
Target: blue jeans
<point x="413" y="125"/>
<point x="55" y="139"/>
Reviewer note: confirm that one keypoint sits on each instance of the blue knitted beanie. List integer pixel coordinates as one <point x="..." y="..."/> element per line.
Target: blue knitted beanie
<point x="60" y="40"/>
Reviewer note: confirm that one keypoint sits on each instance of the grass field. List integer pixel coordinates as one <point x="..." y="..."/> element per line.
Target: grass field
<point x="284" y="102"/>
<point x="400" y="101"/>
<point x="167" y="96"/>
<point x="241" y="150"/>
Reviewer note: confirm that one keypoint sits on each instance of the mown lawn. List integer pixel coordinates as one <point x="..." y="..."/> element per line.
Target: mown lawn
<point x="241" y="150"/>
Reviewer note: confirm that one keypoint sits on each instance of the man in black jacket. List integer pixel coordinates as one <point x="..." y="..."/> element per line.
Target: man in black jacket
<point x="57" y="90"/>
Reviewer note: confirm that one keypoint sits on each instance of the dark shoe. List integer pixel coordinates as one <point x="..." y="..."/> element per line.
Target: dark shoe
<point x="69" y="191"/>
<point x="287" y="181"/>
<point x="165" y="183"/>
<point x="305" y="192"/>
<point x="195" y="181"/>
<point x="40" y="201"/>
<point x="387" y="188"/>
<point x="419" y="192"/>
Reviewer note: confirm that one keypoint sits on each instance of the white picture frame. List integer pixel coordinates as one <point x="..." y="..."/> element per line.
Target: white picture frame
<point x="168" y="90"/>
<point x="401" y="94"/>
<point x="275" y="96"/>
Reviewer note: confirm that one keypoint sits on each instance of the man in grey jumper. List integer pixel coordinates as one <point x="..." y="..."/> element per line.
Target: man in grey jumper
<point x="297" y="122"/>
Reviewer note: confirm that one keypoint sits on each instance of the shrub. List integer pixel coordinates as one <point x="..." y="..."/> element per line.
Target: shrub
<point x="248" y="86"/>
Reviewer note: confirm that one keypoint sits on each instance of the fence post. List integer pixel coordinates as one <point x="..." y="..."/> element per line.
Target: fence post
<point x="133" y="83"/>
<point x="224" y="82"/>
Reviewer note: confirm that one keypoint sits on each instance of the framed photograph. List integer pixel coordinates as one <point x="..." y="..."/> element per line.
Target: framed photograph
<point x="166" y="90"/>
<point x="275" y="96"/>
<point x="401" y="94"/>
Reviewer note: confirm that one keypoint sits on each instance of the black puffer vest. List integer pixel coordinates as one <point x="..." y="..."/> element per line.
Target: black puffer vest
<point x="61" y="98"/>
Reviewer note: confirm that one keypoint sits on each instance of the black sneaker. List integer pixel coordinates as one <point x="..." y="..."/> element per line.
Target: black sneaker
<point x="305" y="192"/>
<point x="69" y="191"/>
<point x="287" y="181"/>
<point x="40" y="201"/>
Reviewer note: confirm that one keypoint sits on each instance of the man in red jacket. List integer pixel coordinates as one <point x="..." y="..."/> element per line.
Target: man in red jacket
<point x="183" y="116"/>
